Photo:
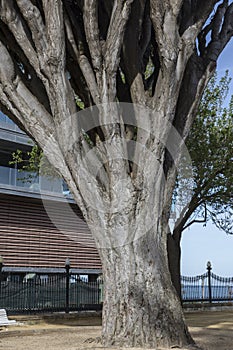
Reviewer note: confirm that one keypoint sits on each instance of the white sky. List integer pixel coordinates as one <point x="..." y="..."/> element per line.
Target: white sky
<point x="201" y="244"/>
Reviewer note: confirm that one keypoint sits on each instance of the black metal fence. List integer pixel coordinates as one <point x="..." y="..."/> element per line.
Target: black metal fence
<point x="49" y="293"/>
<point x="207" y="288"/>
<point x="68" y="292"/>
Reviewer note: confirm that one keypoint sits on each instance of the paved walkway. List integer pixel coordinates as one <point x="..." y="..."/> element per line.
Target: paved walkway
<point x="211" y="330"/>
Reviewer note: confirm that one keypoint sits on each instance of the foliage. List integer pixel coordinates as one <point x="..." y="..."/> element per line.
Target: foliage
<point x="210" y="145"/>
<point x="28" y="162"/>
<point x="33" y="163"/>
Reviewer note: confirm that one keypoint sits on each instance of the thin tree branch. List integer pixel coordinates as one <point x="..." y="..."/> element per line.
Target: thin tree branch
<point x="83" y="63"/>
<point x="119" y="18"/>
<point x="132" y="53"/>
<point x="196" y="220"/>
<point x="216" y="46"/>
<point x="90" y="15"/>
<point x="13" y="20"/>
<point x="195" y="13"/>
<point x="36" y="24"/>
<point x="24" y="68"/>
<point x="21" y="98"/>
<point x="200" y="196"/>
<point x="184" y="217"/>
<point x="217" y="20"/>
<point x="55" y="33"/>
<point x="221" y="30"/>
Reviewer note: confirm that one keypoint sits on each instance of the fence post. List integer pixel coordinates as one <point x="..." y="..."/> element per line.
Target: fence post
<point x="67" y="267"/>
<point x="209" y="268"/>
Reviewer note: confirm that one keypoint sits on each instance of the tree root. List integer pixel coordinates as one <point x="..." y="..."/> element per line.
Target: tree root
<point x="192" y="347"/>
<point x="96" y="340"/>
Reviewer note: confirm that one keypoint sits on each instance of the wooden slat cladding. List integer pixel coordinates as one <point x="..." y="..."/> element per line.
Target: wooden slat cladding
<point x="29" y="238"/>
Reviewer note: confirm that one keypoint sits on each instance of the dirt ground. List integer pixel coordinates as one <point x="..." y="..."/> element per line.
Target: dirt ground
<point x="211" y="330"/>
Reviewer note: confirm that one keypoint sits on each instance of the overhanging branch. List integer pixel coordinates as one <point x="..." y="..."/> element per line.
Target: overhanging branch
<point x="197" y="220"/>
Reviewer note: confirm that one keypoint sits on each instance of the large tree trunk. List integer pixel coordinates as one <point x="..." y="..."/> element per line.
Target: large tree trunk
<point x="52" y="52"/>
<point x="141" y="307"/>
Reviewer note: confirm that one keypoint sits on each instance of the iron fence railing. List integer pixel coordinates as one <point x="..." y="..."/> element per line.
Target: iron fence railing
<point x="207" y="288"/>
<point x="50" y="294"/>
<point x="68" y="292"/>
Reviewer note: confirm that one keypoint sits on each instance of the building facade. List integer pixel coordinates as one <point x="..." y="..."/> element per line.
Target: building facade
<point x="40" y="225"/>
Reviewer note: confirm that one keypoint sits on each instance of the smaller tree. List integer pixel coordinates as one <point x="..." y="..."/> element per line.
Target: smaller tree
<point x="207" y="195"/>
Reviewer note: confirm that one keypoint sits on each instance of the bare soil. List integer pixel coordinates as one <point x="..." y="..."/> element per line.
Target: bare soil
<point x="211" y="331"/>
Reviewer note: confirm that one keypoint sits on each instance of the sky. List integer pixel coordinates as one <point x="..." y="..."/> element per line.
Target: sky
<point x="201" y="244"/>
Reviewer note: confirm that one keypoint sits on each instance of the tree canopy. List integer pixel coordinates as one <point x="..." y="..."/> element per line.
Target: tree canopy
<point x="210" y="145"/>
<point x="207" y="193"/>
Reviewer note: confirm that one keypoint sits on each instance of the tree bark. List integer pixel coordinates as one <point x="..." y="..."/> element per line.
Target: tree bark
<point x="141" y="307"/>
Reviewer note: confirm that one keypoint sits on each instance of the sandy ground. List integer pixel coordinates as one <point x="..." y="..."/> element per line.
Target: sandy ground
<point x="211" y="331"/>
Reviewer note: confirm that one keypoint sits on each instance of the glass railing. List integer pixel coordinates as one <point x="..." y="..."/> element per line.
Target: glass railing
<point x="27" y="181"/>
<point x="31" y="182"/>
<point x="9" y="131"/>
<point x="8" y="123"/>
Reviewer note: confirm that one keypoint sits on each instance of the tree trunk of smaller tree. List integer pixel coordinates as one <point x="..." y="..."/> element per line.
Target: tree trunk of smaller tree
<point x="174" y="258"/>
